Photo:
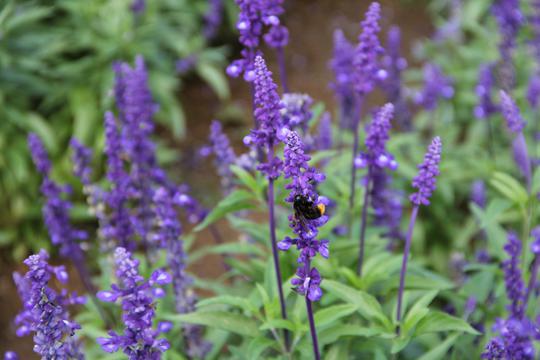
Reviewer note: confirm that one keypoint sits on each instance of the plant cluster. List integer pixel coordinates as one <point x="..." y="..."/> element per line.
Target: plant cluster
<point x="353" y="241"/>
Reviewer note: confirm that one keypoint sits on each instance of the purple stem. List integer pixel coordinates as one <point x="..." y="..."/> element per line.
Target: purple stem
<point x="272" y="222"/>
<point x="282" y="69"/>
<point x="355" y="151"/>
<point x="532" y="280"/>
<point x="363" y="223"/>
<point x="311" y="319"/>
<point x="406" y="252"/>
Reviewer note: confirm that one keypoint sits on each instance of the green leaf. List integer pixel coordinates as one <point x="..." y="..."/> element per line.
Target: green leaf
<point x="331" y="334"/>
<point x="418" y="311"/>
<point x="330" y="314"/>
<point x="235" y="201"/>
<point x="257" y="346"/>
<point x="215" y="78"/>
<point x="509" y="187"/>
<point x="440" y="351"/>
<point x="234" y="301"/>
<point x="248" y="180"/>
<point x="437" y="321"/>
<point x="85" y="112"/>
<point x="235" y="323"/>
<point x="367" y="305"/>
<point x="278" y="324"/>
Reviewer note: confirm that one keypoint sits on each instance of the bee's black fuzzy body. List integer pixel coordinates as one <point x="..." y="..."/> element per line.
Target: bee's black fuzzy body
<point x="305" y="208"/>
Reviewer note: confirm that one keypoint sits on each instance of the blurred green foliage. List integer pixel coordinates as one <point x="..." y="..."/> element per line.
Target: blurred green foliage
<point x="56" y="76"/>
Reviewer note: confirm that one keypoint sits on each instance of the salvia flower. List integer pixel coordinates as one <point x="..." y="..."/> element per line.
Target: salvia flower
<point x="533" y="91"/>
<point x="484" y="87"/>
<point x="516" y="124"/>
<point x="138" y="6"/>
<point x="82" y="158"/>
<point x="11" y="355"/>
<point x="377" y="135"/>
<point x="436" y="86"/>
<point x="186" y="64"/>
<point x="212" y="18"/>
<point x="45" y="312"/>
<point x="513" y="277"/>
<point x="395" y="64"/>
<point x="478" y="193"/>
<point x="511" y="113"/>
<point x="509" y="17"/>
<point x="324" y="137"/>
<point x="257" y="20"/>
<point x="224" y="155"/>
<point x="268" y="116"/>
<point x="425" y="181"/>
<point x="296" y="112"/>
<point x="304" y="180"/>
<point x="168" y="235"/>
<point x="514" y="342"/>
<point x="56" y="208"/>
<point x="366" y="65"/>
<point x="117" y="226"/>
<point x="343" y="84"/>
<point x="137" y="295"/>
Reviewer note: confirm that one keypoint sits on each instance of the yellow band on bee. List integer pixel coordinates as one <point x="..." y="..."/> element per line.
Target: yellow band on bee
<point x="321" y="208"/>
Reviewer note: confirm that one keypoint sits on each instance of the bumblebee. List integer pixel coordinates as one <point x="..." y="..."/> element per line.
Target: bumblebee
<point x="305" y="208"/>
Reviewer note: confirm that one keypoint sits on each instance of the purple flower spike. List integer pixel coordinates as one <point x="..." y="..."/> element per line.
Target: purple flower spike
<point x="39" y="154"/>
<point x="478" y="193"/>
<point x="533" y="91"/>
<point x="82" y="158"/>
<point x="140" y="340"/>
<point x="513" y="277"/>
<point x="511" y="113"/>
<point x="45" y="312"/>
<point x="304" y="180"/>
<point x="56" y="208"/>
<point x="516" y="124"/>
<point x="436" y="86"/>
<point x="324" y="138"/>
<point x="213" y="18"/>
<point x="296" y="112"/>
<point x="224" y="155"/>
<point x="268" y="115"/>
<point x="486" y="82"/>
<point x="365" y="62"/>
<point x="425" y="181"/>
<point x="342" y="66"/>
<point x="376" y="138"/>
<point x="394" y="65"/>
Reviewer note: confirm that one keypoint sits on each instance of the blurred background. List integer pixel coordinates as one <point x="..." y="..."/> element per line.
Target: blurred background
<point x="56" y="76"/>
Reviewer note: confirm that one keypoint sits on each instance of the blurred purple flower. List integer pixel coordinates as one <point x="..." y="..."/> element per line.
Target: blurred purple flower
<point x="324" y="137"/>
<point x="212" y="18"/>
<point x="478" y="193"/>
<point x="533" y="91"/>
<point x="366" y="65"/>
<point x="394" y="64"/>
<point x="342" y="66"/>
<point x="168" y="235"/>
<point x="436" y="86"/>
<point x="484" y="87"/>
<point x="224" y="155"/>
<point x="56" y="208"/>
